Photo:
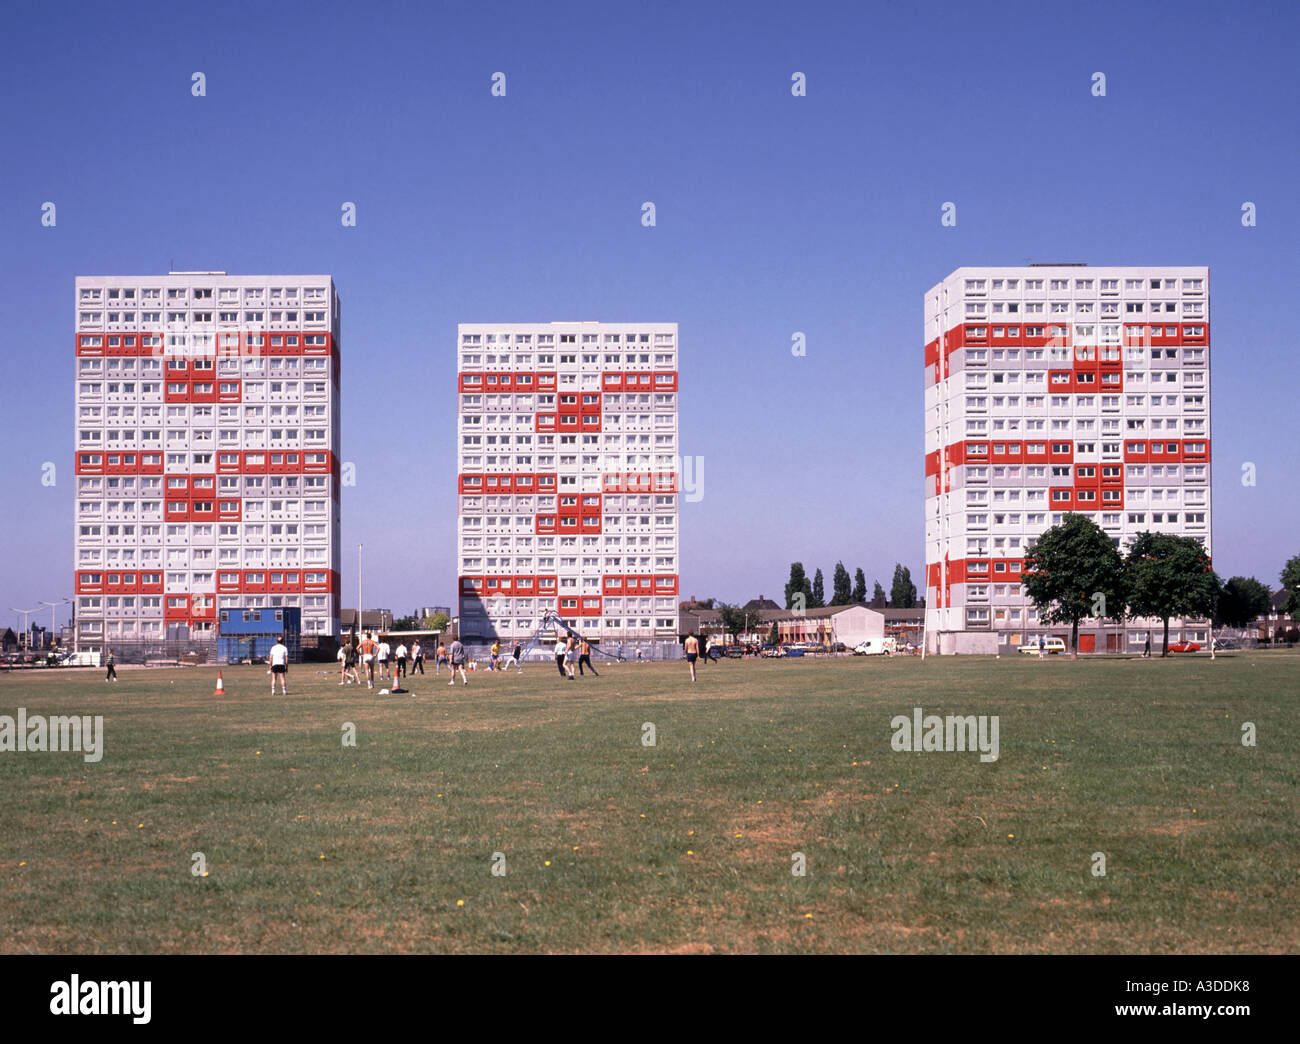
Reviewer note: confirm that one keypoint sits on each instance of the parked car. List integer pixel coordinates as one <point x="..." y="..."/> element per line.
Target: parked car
<point x="1184" y="646"/>
<point x="1226" y="643"/>
<point x="734" y="652"/>
<point x="1051" y="646"/>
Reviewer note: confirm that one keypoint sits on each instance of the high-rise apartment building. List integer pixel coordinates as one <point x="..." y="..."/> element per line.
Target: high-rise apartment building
<point x="1052" y="389"/>
<point x="568" y="478"/>
<point x="207" y="452"/>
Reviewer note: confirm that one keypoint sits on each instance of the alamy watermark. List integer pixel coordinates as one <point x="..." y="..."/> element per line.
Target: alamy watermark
<point x="926" y="733"/>
<point x="57" y="734"/>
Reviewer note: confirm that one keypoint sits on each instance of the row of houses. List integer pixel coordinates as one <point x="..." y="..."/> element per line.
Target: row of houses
<point x="838" y="624"/>
<point x="851" y="624"/>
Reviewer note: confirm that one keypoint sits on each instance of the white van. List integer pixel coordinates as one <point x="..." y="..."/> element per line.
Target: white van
<point x="1051" y="646"/>
<point x="877" y="647"/>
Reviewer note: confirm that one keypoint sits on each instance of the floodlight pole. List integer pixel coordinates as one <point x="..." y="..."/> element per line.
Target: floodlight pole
<point x="53" y="609"/>
<point x="27" y="645"/>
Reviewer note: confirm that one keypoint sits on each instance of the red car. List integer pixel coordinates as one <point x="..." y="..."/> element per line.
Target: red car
<point x="1184" y="647"/>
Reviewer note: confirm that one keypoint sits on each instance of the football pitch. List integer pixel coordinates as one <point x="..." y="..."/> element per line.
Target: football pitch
<point x="529" y="814"/>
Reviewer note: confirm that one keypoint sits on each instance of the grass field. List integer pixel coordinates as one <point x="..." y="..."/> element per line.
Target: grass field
<point x="685" y="846"/>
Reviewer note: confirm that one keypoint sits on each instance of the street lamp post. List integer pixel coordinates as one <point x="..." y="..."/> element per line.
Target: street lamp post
<point x="26" y="616"/>
<point x="53" y="609"/>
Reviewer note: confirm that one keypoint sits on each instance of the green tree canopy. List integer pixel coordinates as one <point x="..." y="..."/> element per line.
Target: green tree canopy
<point x="798" y="583"/>
<point x="437" y="622"/>
<point x="1073" y="571"/>
<point x="841" y="586"/>
<point x="818" y="599"/>
<point x="1290" y="577"/>
<point x="902" y="593"/>
<point x="1168" y="575"/>
<point x="735" y="620"/>
<point x="878" y="600"/>
<point x="859" y="594"/>
<point x="1242" y="599"/>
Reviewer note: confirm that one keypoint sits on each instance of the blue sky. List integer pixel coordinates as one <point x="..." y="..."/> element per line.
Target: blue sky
<point x="775" y="214"/>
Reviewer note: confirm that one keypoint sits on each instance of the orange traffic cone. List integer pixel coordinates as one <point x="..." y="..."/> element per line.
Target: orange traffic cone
<point x="221" y="686"/>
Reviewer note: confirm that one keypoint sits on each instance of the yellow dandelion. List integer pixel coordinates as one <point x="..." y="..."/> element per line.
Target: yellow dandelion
<point x="1011" y="835"/>
<point x="643" y="815"/>
<point x="23" y="863"/>
<point x="740" y="835"/>
<point x="691" y="833"/>
<point x="460" y="902"/>
<point x="689" y="852"/>
<point x="115" y="822"/>
<point x="322" y="856"/>
<point x="205" y="874"/>
<point x="548" y="862"/>
<point x="139" y="826"/>
<point x="809" y="916"/>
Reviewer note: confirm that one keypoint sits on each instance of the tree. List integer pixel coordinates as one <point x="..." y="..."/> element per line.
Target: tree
<point x="1242" y="599"/>
<point x="818" y="599"/>
<point x="859" y="595"/>
<point x="1073" y="571"/>
<point x="1291" y="581"/>
<point x="878" y="597"/>
<point x="1169" y="575"/>
<point x="774" y="636"/>
<point x="902" y="593"/>
<point x="406" y="623"/>
<point x="841" y="592"/>
<point x="735" y="620"/>
<point x="797" y="583"/>
<point x="437" y="622"/>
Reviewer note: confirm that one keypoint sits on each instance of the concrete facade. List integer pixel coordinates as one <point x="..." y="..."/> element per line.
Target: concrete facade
<point x="1052" y="389"/>
<point x="207" y="452"/>
<point x="569" y="478"/>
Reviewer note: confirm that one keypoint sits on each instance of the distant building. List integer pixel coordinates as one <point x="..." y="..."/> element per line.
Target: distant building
<point x="249" y="634"/>
<point x="761" y="602"/>
<point x="371" y="619"/>
<point x="1276" y="622"/>
<point x="906" y="625"/>
<point x="427" y="611"/>
<point x="844" y="624"/>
